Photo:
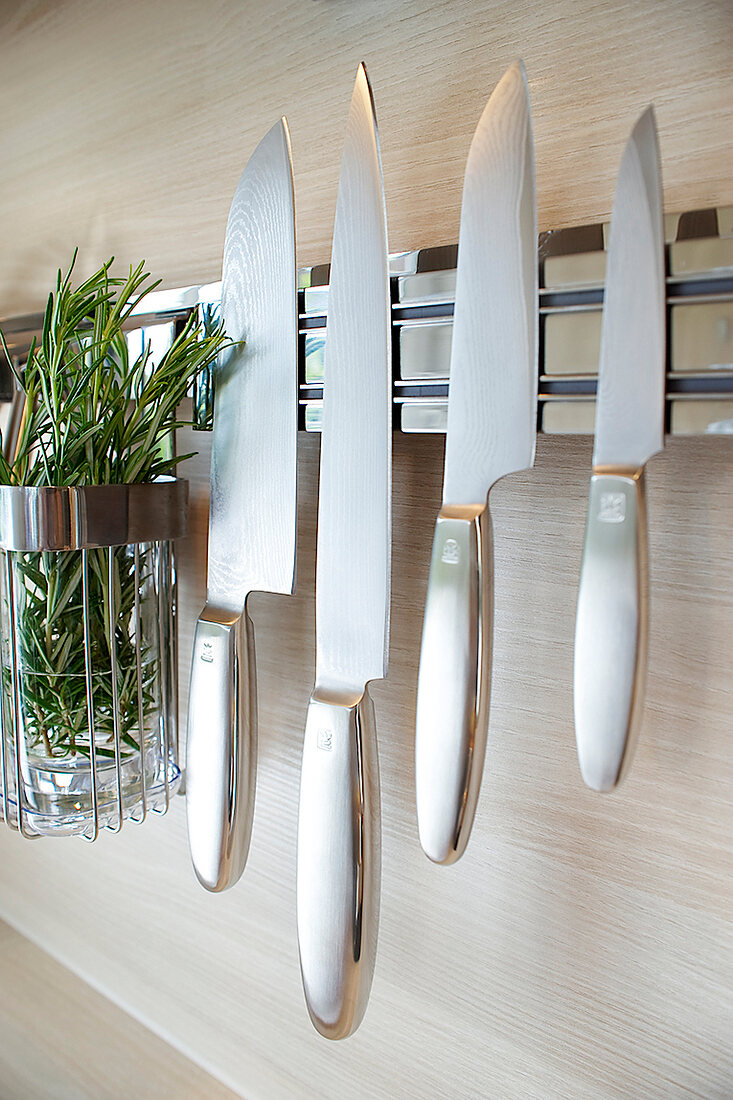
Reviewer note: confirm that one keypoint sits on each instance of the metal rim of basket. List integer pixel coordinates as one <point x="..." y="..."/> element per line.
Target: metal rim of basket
<point x="81" y="517"/>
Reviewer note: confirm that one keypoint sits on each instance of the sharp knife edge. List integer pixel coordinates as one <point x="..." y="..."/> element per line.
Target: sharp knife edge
<point x="612" y="618"/>
<point x="492" y="410"/>
<point x="630" y="402"/>
<point x="252" y="514"/>
<point x="253" y="468"/>
<point x="353" y="558"/>
<point x="492" y="405"/>
<point x="339" y="819"/>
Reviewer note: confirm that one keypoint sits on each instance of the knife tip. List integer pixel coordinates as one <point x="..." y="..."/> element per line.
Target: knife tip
<point x="362" y="83"/>
<point x="647" y="121"/>
<point x="513" y="83"/>
<point x="516" y="71"/>
<point x="644" y="144"/>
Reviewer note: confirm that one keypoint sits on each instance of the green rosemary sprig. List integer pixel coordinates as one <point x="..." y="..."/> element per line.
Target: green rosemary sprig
<point x="51" y="650"/>
<point x="93" y="415"/>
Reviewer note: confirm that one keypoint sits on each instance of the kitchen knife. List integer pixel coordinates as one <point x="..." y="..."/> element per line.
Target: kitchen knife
<point x="252" y="508"/>
<point x="611" y="624"/>
<point x="338" y="821"/>
<point x="492" y="417"/>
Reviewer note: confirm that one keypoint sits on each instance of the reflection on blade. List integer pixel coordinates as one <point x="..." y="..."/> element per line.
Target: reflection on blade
<point x="252" y="517"/>
<point x="352" y="582"/>
<point x="630" y="405"/>
<point x="493" y="387"/>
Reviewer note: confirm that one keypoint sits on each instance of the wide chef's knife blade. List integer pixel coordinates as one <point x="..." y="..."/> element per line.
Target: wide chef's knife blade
<point x="492" y="417"/>
<point x="338" y="823"/>
<point x="252" y="507"/>
<point x="611" y="624"/>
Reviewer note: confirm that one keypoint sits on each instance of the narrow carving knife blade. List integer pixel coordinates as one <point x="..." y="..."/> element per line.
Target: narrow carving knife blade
<point x="252" y="508"/>
<point x="338" y="821"/>
<point x="611" y="623"/>
<point x="492" y="420"/>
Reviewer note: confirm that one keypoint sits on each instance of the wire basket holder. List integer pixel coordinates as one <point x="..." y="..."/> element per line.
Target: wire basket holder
<point x="100" y="559"/>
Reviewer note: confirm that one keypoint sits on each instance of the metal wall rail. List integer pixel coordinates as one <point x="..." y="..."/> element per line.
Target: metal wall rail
<point x="572" y="269"/>
<point x="699" y="385"/>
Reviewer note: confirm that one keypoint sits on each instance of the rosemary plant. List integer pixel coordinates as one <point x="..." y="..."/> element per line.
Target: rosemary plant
<point x="93" y="415"/>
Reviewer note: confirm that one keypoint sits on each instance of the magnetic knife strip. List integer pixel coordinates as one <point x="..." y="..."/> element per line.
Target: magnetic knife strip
<point x="572" y="269"/>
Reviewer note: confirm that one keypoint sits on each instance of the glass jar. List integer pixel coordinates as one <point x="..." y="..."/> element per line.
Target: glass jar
<point x="88" y="655"/>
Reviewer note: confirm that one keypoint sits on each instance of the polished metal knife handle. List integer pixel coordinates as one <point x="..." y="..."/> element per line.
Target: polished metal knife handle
<point x="221" y="747"/>
<point x="338" y="862"/>
<point x="611" y="628"/>
<point x="454" y="681"/>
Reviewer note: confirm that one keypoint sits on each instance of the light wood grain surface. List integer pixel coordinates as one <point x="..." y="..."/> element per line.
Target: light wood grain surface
<point x="61" y="1040"/>
<point x="126" y="125"/>
<point x="583" y="946"/>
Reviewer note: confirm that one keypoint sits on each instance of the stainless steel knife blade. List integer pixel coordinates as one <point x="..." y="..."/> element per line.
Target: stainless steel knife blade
<point x="492" y="418"/>
<point x="338" y="823"/>
<point x="611" y="623"/>
<point x="252" y="507"/>
<point x="353" y="557"/>
<point x="253" y="460"/>
<point x="630" y="401"/>
<point x="492" y="404"/>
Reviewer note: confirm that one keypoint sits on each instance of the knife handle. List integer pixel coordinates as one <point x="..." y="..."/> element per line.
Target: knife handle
<point x="339" y="862"/>
<point x="454" y="681"/>
<point x="611" y="628"/>
<point x="221" y="746"/>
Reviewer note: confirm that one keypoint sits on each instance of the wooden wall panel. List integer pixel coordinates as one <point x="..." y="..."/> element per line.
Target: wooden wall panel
<point x="126" y="125"/>
<point x="61" y="1040"/>
<point x="581" y="948"/>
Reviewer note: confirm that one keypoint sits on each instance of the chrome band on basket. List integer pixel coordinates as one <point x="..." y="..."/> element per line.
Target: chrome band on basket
<point x="76" y="517"/>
